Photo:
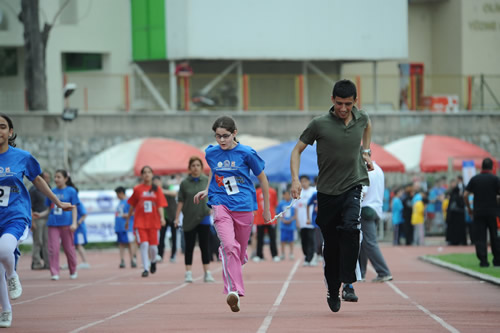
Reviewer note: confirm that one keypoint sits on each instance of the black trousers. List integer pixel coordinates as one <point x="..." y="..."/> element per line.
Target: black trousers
<point x="163" y="232"/>
<point x="203" y="233"/>
<point x="483" y="224"/>
<point x="271" y="231"/>
<point x="307" y="239"/>
<point x="339" y="220"/>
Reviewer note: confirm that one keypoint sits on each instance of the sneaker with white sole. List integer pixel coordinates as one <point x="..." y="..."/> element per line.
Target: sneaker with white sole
<point x="74" y="276"/>
<point x="276" y="259"/>
<point x="84" y="265"/>
<point x="15" y="288"/>
<point x="233" y="300"/>
<point x="6" y="319"/>
<point x="188" y="277"/>
<point x="54" y="277"/>
<point x="208" y="277"/>
<point x="383" y="278"/>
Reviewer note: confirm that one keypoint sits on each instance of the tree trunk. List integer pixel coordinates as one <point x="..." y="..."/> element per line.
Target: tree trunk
<point x="34" y="56"/>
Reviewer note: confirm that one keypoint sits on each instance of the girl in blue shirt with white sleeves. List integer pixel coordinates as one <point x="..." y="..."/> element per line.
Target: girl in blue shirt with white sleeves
<point x="15" y="210"/>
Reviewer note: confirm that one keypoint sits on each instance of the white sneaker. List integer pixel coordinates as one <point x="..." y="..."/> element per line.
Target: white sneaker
<point x="15" y="288"/>
<point x="188" y="277"/>
<point x="6" y="319"/>
<point x="54" y="277"/>
<point x="84" y="265"/>
<point x="233" y="300"/>
<point x="73" y="276"/>
<point x="306" y="263"/>
<point x="256" y="259"/>
<point x="209" y="277"/>
<point x="292" y="257"/>
<point x="276" y="259"/>
<point x="158" y="258"/>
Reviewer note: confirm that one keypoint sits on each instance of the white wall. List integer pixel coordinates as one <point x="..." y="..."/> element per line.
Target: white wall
<point x="99" y="27"/>
<point x="287" y="29"/>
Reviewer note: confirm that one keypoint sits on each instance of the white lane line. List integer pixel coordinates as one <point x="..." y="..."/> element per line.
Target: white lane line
<point x="135" y="307"/>
<point x="267" y="321"/>
<point x="438" y="319"/>
<point x="72" y="288"/>
<point x="423" y="309"/>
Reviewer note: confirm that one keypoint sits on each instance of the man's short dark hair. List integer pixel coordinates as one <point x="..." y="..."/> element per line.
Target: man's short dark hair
<point x="487" y="164"/>
<point x="304" y="176"/>
<point x="344" y="89"/>
<point x="120" y="189"/>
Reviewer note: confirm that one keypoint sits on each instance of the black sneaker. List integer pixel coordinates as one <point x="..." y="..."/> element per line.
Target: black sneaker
<point x="122" y="264"/>
<point x="333" y="302"/>
<point x="152" y="268"/>
<point x="348" y="294"/>
<point x="145" y="274"/>
<point x="484" y="264"/>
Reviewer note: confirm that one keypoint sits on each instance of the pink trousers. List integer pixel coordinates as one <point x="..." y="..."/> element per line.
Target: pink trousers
<point x="233" y="230"/>
<point x="64" y="236"/>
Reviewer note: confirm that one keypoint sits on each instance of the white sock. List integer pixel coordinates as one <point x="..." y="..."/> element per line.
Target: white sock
<point x="4" y="293"/>
<point x="153" y="251"/>
<point x="144" y="255"/>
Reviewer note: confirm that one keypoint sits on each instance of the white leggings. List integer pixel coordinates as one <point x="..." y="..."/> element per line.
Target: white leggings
<point x="8" y="245"/>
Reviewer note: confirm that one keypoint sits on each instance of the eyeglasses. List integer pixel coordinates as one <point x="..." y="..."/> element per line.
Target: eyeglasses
<point x="223" y="136"/>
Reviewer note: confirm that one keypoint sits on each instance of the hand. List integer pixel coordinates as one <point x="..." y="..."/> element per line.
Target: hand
<point x="368" y="161"/>
<point x="126" y="224"/>
<point x="163" y="222"/>
<point x="295" y="189"/>
<point x="73" y="227"/>
<point x="471" y="213"/>
<point x="200" y="196"/>
<point x="267" y="216"/>
<point x="308" y="221"/>
<point x="65" y="206"/>
<point x="176" y="223"/>
<point x="35" y="215"/>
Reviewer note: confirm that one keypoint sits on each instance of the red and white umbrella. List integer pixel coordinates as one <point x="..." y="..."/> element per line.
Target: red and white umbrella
<point x="164" y="156"/>
<point x="433" y="153"/>
<point x="385" y="160"/>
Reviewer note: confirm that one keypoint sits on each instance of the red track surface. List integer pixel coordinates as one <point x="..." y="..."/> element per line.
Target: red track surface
<point x="281" y="297"/>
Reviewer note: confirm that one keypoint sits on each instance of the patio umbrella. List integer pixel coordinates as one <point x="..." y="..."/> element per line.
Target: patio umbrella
<point x="385" y="160"/>
<point x="433" y="153"/>
<point x="277" y="160"/>
<point x="164" y="156"/>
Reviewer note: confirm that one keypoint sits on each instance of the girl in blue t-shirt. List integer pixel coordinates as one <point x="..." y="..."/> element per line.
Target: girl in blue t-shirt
<point x="125" y="237"/>
<point x="62" y="225"/>
<point x="231" y="195"/>
<point x="15" y="210"/>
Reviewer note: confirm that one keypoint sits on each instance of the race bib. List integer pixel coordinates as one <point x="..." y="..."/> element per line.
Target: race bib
<point x="231" y="186"/>
<point x="57" y="210"/>
<point x="148" y="207"/>
<point x="4" y="196"/>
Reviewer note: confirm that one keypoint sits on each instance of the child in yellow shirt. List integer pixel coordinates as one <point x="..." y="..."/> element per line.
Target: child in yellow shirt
<point x="418" y="218"/>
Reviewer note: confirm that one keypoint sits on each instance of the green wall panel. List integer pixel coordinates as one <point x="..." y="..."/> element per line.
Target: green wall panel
<point x="148" y="30"/>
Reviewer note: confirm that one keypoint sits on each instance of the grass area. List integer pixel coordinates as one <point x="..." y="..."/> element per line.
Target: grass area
<point x="26" y="248"/>
<point x="470" y="261"/>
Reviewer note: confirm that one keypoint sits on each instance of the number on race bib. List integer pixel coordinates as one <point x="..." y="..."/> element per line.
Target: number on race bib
<point x="231" y="186"/>
<point x="4" y="196"/>
<point x="148" y="207"/>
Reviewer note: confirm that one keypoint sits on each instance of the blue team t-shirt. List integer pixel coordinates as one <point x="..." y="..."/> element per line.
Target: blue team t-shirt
<point x="397" y="211"/>
<point x="287" y="215"/>
<point x="231" y="184"/>
<point x="15" y="202"/>
<point x="123" y="208"/>
<point x="58" y="217"/>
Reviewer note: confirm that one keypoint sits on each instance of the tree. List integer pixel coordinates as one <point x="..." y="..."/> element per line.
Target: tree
<point x="35" y="44"/>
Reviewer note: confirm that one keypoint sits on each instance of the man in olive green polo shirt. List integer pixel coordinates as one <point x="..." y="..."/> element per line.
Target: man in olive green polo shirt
<point x="343" y="170"/>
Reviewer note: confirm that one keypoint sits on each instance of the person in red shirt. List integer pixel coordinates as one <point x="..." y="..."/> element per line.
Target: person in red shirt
<point x="147" y="202"/>
<point x="262" y="227"/>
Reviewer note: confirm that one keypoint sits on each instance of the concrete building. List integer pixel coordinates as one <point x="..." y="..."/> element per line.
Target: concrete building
<point x="97" y="44"/>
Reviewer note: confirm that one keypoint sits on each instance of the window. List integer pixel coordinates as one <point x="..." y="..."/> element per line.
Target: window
<point x="76" y="62"/>
<point x="8" y="62"/>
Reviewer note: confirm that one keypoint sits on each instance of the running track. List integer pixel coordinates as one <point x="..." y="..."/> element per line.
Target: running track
<point x="281" y="297"/>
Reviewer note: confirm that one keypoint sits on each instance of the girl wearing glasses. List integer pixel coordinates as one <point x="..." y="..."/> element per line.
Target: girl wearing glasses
<point x="231" y="195"/>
